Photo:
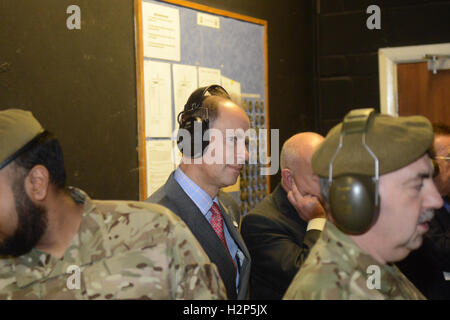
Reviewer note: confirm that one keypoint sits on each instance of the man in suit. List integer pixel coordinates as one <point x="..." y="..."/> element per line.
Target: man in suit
<point x="280" y="231"/>
<point x="193" y="190"/>
<point x="429" y="267"/>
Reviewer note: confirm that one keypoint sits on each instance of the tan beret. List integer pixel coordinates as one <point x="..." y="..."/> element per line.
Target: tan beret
<point x="396" y="141"/>
<point x="17" y="128"/>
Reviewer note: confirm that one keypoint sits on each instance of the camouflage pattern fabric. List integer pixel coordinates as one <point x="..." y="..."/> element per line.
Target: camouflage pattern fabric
<point x="337" y="268"/>
<point x="124" y="250"/>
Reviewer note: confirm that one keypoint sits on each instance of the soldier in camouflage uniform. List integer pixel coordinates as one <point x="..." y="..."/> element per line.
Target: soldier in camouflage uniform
<point x="359" y="265"/>
<point x="57" y="243"/>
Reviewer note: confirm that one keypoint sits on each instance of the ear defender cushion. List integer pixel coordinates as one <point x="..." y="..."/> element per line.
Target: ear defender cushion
<point x="352" y="202"/>
<point x="198" y="140"/>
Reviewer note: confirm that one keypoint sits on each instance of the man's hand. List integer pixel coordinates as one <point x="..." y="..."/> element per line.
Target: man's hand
<point x="308" y="207"/>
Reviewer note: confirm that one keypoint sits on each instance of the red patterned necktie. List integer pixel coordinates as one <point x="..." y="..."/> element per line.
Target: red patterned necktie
<point x="217" y="222"/>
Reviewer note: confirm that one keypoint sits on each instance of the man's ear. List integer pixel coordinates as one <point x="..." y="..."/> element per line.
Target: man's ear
<point x="286" y="177"/>
<point x="37" y="183"/>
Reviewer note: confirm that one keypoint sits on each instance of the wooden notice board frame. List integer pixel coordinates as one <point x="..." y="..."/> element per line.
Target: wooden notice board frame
<point x="142" y="154"/>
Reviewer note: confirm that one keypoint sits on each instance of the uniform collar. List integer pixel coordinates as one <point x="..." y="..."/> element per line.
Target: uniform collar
<point x="360" y="264"/>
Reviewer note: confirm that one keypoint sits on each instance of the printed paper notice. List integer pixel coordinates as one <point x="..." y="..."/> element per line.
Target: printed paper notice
<point x="184" y="83"/>
<point x="161" y="31"/>
<point x="158" y="99"/>
<point x="208" y="20"/>
<point x="233" y="88"/>
<point x="159" y="163"/>
<point x="208" y="76"/>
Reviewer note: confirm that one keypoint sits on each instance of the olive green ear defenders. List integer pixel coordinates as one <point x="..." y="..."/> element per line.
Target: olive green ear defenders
<point x="353" y="198"/>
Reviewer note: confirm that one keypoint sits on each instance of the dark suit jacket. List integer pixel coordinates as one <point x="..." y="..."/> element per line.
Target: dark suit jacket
<point x="172" y="196"/>
<point x="424" y="267"/>
<point x="278" y="243"/>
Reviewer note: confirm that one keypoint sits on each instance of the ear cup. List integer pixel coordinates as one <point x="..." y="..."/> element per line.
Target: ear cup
<point x="352" y="203"/>
<point x="197" y="140"/>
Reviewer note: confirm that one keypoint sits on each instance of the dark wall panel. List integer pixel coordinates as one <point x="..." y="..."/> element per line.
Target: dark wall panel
<point x="347" y="33"/>
<point x="356" y="64"/>
<point x="79" y="83"/>
<point x="347" y="51"/>
<point x="419" y="24"/>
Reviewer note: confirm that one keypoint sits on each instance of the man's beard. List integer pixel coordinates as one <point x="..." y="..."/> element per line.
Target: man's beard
<point x="31" y="224"/>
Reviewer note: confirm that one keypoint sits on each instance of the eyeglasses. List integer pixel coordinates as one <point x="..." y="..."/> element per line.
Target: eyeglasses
<point x="442" y="158"/>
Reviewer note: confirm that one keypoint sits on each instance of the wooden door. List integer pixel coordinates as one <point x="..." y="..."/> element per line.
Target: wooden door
<point x="422" y="92"/>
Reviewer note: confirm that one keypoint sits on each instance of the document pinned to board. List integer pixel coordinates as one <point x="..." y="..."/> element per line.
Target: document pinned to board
<point x="160" y="163"/>
<point x="161" y="32"/>
<point x="233" y="88"/>
<point x="185" y="81"/>
<point x="208" y="76"/>
<point x="208" y="20"/>
<point x="158" y="99"/>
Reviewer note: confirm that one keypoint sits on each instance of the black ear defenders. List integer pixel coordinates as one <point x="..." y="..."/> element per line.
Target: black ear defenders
<point x="193" y="136"/>
<point x="354" y="198"/>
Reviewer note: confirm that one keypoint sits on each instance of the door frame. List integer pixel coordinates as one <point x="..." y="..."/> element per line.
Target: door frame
<point x="388" y="58"/>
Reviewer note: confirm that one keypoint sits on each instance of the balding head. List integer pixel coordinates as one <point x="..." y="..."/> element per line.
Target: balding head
<point x="299" y="147"/>
<point x="295" y="161"/>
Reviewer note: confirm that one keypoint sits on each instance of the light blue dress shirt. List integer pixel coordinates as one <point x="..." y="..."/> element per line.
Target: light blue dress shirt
<point x="204" y="203"/>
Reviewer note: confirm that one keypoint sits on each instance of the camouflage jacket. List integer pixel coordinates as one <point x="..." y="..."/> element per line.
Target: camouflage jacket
<point x="337" y="268"/>
<point x="123" y="250"/>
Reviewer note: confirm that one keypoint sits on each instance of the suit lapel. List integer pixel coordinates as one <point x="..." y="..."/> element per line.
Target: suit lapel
<point x="233" y="229"/>
<point x="186" y="209"/>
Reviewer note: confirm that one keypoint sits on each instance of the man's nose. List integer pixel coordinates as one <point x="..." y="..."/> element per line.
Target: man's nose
<point x="433" y="199"/>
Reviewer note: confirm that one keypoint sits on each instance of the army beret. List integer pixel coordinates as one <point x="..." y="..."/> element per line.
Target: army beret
<point x="396" y="142"/>
<point x="18" y="128"/>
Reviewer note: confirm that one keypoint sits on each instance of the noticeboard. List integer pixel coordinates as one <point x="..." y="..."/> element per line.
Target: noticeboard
<point x="181" y="46"/>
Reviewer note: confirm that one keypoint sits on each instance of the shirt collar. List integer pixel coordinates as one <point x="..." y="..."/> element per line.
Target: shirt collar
<point x="201" y="199"/>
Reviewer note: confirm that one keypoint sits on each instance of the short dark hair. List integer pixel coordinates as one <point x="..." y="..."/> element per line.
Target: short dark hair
<point x="218" y="94"/>
<point x="210" y="98"/>
<point x="441" y="128"/>
<point x="209" y="110"/>
<point x="47" y="152"/>
<point x="212" y="105"/>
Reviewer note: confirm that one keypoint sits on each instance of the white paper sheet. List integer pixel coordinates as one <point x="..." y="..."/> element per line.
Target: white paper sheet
<point x="159" y="163"/>
<point x="158" y="99"/>
<point x="161" y="31"/>
<point x="208" y="20"/>
<point x="177" y="156"/>
<point x="233" y="88"/>
<point x="185" y="81"/>
<point x="208" y="76"/>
